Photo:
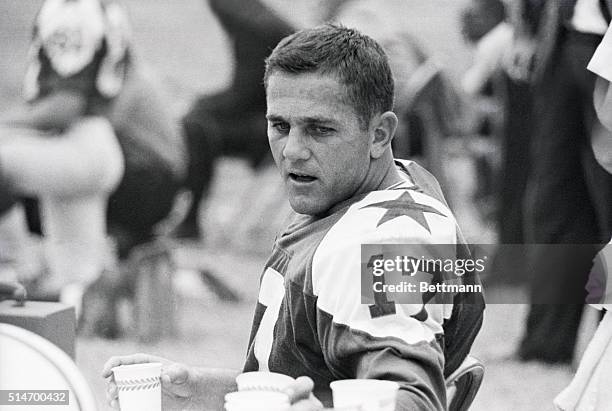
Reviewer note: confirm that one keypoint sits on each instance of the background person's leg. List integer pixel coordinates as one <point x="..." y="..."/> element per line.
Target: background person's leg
<point x="85" y="159"/>
<point x="203" y="137"/>
<point x="558" y="210"/>
<point x="73" y="175"/>
<point x="144" y="197"/>
<point x="76" y="245"/>
<point x="203" y="153"/>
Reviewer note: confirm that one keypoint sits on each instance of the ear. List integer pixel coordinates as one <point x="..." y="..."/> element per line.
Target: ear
<point x="383" y="129"/>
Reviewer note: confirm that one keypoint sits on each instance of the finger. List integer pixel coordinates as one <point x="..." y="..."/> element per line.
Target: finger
<point x="125" y="360"/>
<point x="112" y="392"/>
<point x="175" y="374"/>
<point x="306" y="405"/>
<point x="166" y="381"/>
<point x="299" y="389"/>
<point x="112" y="396"/>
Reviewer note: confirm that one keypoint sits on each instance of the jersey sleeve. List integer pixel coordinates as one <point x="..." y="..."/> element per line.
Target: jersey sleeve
<point x="601" y="62"/>
<point x="399" y="342"/>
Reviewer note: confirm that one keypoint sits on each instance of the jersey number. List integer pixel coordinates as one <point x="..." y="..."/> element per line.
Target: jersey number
<point x="271" y="295"/>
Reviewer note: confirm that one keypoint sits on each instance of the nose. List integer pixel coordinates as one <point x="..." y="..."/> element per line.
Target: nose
<point x="296" y="146"/>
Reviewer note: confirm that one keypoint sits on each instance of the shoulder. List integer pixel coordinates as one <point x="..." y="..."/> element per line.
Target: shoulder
<point x="423" y="226"/>
<point x="413" y="212"/>
<point x="400" y="216"/>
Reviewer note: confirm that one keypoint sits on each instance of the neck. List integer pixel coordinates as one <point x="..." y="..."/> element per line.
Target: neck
<point x="388" y="172"/>
<point x="383" y="174"/>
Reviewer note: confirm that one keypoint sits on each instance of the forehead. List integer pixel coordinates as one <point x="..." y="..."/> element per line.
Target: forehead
<point x="308" y="95"/>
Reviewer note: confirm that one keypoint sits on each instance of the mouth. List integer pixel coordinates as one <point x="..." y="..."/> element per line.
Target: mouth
<point x="301" y="178"/>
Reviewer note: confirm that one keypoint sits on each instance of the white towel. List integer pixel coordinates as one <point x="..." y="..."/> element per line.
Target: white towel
<point x="590" y="388"/>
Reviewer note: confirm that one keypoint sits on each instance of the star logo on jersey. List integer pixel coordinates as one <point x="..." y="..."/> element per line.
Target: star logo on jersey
<point x="404" y="205"/>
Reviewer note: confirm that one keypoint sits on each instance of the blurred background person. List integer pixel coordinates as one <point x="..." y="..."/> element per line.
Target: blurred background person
<point x="568" y="200"/>
<point x="485" y="30"/>
<point x="117" y="87"/>
<point x="589" y="388"/>
<point x="429" y="107"/>
<point x="156" y="161"/>
<point x="503" y="95"/>
<point x="106" y="83"/>
<point x="232" y="122"/>
<point x="59" y="150"/>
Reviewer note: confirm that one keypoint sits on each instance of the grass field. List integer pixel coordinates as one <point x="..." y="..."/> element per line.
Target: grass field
<point x="183" y="43"/>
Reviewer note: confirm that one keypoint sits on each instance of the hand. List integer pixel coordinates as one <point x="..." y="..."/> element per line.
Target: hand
<point x="301" y="396"/>
<point x="179" y="382"/>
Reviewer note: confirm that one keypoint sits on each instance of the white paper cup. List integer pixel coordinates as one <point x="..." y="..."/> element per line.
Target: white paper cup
<point x="256" y="401"/>
<point x="139" y="386"/>
<point x="263" y="381"/>
<point x="373" y="395"/>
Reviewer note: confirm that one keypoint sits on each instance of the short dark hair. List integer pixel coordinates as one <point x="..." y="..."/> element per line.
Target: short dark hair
<point x="355" y="59"/>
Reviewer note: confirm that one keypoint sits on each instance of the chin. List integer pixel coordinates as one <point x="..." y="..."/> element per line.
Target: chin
<point x="306" y="207"/>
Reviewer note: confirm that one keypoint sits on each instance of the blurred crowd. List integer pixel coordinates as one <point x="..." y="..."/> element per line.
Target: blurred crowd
<point x="551" y="188"/>
<point x="93" y="160"/>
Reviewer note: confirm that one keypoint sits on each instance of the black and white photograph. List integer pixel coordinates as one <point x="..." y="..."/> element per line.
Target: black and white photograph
<point x="304" y="205"/>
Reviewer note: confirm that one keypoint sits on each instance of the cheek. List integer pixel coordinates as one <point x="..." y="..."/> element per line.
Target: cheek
<point x="350" y="166"/>
<point x="276" y="147"/>
<point x="360" y="153"/>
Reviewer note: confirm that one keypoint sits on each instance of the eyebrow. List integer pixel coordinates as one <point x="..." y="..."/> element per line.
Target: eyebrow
<point x="273" y="117"/>
<point x="325" y="120"/>
<point x="307" y="120"/>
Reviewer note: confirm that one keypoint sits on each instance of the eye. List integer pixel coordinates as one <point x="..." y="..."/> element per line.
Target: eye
<point x="320" y="130"/>
<point x="281" y="127"/>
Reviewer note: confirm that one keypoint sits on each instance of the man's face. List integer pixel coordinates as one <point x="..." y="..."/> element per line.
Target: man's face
<point x="317" y="141"/>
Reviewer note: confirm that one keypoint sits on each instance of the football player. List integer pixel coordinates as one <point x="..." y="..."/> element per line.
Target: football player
<point x="330" y="124"/>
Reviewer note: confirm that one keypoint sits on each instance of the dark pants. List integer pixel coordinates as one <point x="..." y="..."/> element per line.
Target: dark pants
<point x="568" y="201"/>
<point x="515" y="161"/>
<point x="509" y="264"/>
<point x="224" y="124"/>
<point x="6" y="202"/>
<point x="6" y="196"/>
<point x="144" y="197"/>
